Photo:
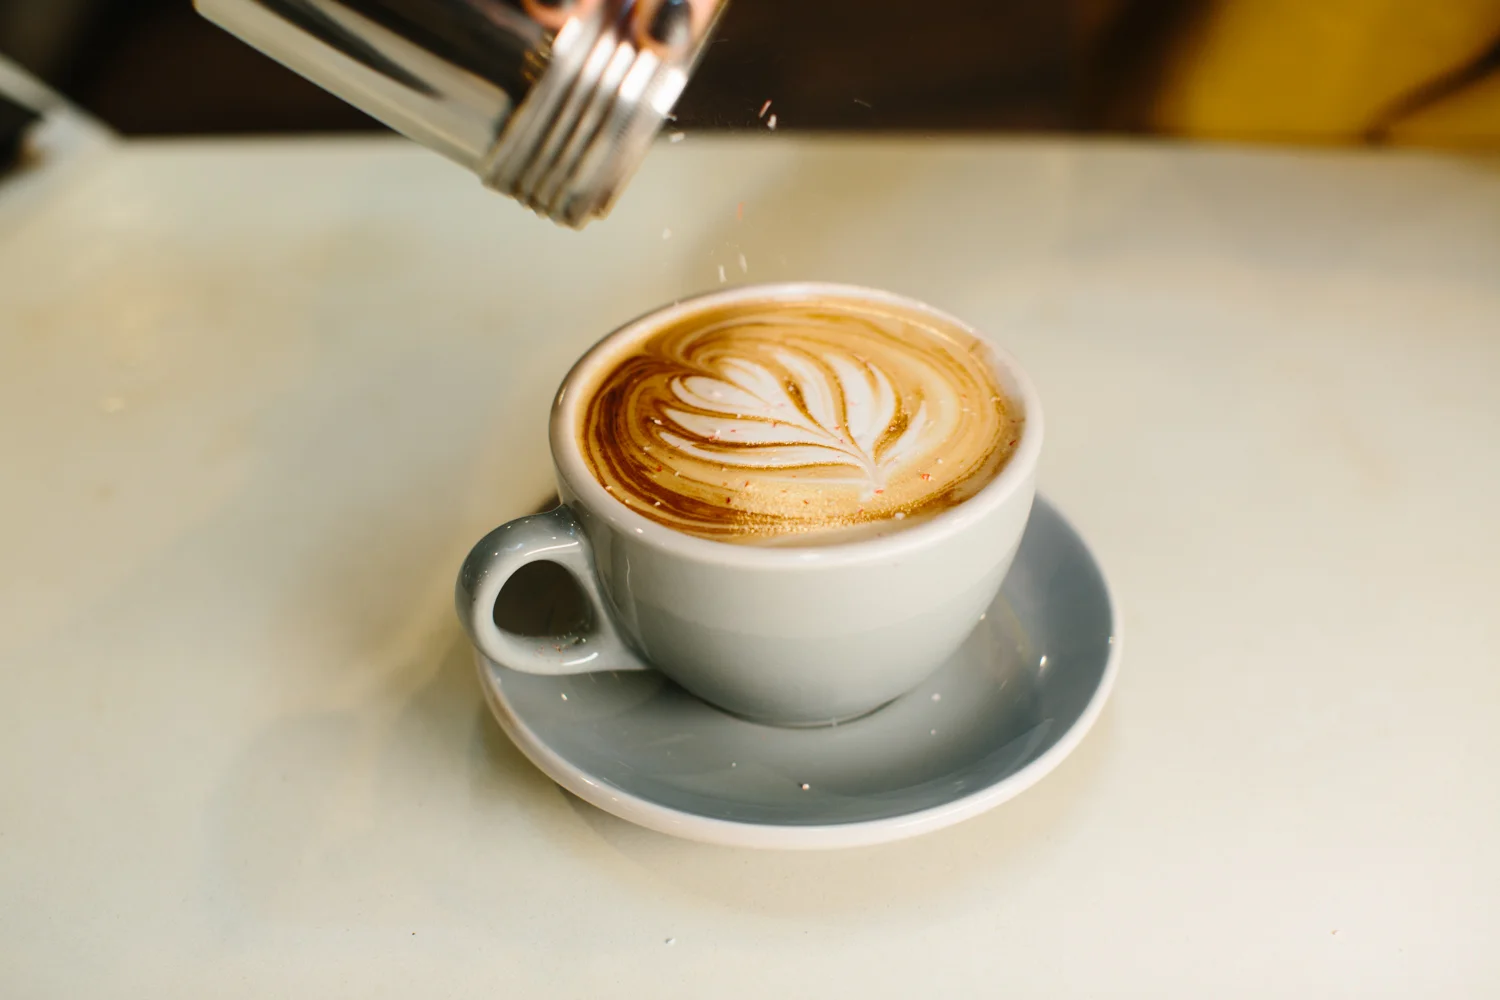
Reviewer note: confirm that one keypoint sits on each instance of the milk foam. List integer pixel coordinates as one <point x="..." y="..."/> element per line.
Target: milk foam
<point x="797" y="421"/>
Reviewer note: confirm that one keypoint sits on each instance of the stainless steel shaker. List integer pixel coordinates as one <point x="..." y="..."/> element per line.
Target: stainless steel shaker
<point x="557" y="118"/>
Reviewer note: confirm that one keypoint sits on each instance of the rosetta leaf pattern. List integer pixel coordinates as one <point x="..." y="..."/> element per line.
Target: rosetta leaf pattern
<point x="827" y="410"/>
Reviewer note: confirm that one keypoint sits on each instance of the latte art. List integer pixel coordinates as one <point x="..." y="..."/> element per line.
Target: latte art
<point x="785" y="421"/>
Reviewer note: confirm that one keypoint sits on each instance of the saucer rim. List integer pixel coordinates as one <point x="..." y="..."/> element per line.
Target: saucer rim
<point x="829" y="836"/>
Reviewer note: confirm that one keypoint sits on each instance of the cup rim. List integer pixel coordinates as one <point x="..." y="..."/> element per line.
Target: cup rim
<point x="574" y="477"/>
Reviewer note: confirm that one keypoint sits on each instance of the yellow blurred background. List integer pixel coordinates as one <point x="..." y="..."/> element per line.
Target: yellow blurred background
<point x="1423" y="72"/>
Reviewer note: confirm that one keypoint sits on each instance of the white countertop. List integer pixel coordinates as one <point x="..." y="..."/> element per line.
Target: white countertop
<point x="256" y="400"/>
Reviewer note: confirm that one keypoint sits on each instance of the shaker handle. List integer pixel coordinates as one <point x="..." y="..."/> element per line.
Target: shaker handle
<point x="556" y="537"/>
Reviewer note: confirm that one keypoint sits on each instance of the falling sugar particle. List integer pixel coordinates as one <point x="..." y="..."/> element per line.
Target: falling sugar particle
<point x="764" y="108"/>
<point x="983" y="616"/>
<point x="744" y="265"/>
<point x="640" y="531"/>
<point x="733" y="764"/>
<point x="937" y="697"/>
<point x="900" y="515"/>
<point x="671" y="940"/>
<point x="771" y="123"/>
<point x="1044" y="662"/>
<point x="722" y="276"/>
<point x="676" y="137"/>
<point x="932" y="732"/>
<point x="564" y="697"/>
<point x="805" y="786"/>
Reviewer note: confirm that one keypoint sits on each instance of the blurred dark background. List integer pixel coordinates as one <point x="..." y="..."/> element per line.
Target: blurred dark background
<point x="1323" y="71"/>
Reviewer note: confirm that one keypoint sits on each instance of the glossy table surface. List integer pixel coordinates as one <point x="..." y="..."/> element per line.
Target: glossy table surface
<point x="257" y="399"/>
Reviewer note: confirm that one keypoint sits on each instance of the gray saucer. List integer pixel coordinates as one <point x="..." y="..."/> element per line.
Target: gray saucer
<point x="1009" y="706"/>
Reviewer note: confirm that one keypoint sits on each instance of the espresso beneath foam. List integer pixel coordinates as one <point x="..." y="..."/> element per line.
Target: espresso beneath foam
<point x="796" y="422"/>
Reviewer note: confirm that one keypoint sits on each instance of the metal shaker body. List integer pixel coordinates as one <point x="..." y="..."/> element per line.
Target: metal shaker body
<point x="558" y="120"/>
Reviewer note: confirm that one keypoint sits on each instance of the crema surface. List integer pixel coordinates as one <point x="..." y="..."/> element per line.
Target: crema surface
<point x="796" y="422"/>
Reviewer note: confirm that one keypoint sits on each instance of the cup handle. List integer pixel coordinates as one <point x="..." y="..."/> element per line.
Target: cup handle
<point x="557" y="537"/>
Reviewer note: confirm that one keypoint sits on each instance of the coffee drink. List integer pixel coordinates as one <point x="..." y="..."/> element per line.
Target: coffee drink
<point x="796" y="421"/>
<point x="786" y="419"/>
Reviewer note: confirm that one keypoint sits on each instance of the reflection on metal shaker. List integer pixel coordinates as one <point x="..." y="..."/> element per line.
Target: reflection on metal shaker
<point x="553" y="102"/>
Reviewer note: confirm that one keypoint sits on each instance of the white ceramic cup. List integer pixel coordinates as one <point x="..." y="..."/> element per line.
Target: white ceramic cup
<point x="782" y="635"/>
